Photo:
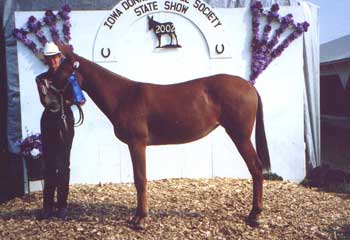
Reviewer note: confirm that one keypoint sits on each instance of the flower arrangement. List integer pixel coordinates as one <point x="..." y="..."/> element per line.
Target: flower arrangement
<point x="64" y="14"/>
<point x="31" y="146"/>
<point x="21" y="35"/>
<point x="265" y="49"/>
<point x="34" y="26"/>
<point x="50" y="20"/>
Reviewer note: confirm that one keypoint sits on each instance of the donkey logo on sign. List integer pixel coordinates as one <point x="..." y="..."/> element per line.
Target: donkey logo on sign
<point x="159" y="29"/>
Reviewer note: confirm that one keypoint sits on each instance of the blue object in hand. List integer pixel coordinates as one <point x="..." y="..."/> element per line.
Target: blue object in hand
<point x="78" y="95"/>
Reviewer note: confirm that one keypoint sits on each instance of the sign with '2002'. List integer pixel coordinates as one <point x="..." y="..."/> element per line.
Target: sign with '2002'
<point x="160" y="17"/>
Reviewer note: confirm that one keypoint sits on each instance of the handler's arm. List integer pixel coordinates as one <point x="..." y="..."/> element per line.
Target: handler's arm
<point x="43" y="91"/>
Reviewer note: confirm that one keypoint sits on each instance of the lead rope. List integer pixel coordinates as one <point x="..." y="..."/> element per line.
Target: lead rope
<point x="76" y="65"/>
<point x="63" y="115"/>
<point x="81" y="116"/>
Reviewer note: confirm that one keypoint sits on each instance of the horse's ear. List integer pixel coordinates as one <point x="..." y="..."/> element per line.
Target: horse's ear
<point x="66" y="50"/>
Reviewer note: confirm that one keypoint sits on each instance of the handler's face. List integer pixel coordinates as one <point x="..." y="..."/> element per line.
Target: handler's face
<point x="53" y="61"/>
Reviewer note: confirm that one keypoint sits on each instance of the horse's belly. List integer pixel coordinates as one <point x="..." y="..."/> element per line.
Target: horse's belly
<point x="188" y="117"/>
<point x="180" y="131"/>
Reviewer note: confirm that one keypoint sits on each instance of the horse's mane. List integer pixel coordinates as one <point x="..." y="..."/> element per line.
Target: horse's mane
<point x="67" y="51"/>
<point x="99" y="68"/>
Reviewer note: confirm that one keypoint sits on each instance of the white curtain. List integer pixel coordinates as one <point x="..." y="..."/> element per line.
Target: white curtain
<point x="311" y="71"/>
<point x="312" y="85"/>
<point x="311" y="61"/>
<point x="244" y="3"/>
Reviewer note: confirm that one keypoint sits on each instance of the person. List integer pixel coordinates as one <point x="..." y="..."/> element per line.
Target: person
<point x="57" y="136"/>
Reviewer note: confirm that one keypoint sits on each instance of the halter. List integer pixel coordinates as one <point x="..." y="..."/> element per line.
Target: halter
<point x="60" y="92"/>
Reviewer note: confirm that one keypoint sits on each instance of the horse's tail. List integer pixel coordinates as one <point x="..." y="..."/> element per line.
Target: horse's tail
<point x="260" y="138"/>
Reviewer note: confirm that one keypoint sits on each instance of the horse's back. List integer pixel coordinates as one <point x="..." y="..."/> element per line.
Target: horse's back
<point x="220" y="88"/>
<point x="229" y="82"/>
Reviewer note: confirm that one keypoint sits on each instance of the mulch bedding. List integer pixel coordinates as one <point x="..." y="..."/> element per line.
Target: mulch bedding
<point x="184" y="209"/>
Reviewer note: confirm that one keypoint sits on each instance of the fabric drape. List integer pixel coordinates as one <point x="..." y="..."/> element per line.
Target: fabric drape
<point x="311" y="61"/>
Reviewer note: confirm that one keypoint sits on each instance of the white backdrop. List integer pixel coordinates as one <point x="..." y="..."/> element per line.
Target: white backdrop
<point x="97" y="156"/>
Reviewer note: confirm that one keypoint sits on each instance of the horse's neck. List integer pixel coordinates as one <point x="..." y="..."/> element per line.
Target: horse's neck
<point x="104" y="87"/>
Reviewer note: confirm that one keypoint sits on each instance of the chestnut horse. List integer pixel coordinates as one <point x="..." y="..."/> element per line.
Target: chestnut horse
<point x="146" y="114"/>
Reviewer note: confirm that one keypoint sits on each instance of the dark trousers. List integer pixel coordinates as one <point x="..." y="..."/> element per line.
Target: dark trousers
<point x="57" y="142"/>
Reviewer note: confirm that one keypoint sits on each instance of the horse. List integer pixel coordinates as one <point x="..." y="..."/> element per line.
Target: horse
<point x="162" y="28"/>
<point x="145" y="114"/>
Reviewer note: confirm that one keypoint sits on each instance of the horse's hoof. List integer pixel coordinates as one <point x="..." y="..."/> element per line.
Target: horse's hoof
<point x="252" y="222"/>
<point x="138" y="227"/>
<point x="138" y="223"/>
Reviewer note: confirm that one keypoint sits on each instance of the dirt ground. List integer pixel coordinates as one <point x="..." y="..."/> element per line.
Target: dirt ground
<point x="184" y="209"/>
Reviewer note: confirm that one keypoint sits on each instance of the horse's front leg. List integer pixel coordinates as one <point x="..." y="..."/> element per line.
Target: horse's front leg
<point x="138" y="157"/>
<point x="159" y="36"/>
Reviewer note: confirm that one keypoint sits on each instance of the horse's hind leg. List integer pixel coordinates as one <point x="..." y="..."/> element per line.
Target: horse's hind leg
<point x="177" y="43"/>
<point x="171" y="38"/>
<point x="248" y="153"/>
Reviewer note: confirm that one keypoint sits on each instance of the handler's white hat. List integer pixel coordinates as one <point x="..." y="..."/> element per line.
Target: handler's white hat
<point x="51" y="49"/>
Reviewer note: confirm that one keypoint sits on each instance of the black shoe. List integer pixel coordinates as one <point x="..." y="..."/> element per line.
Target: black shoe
<point x="45" y="214"/>
<point x="62" y="213"/>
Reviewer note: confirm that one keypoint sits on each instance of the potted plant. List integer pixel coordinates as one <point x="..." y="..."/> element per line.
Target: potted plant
<point x="31" y="150"/>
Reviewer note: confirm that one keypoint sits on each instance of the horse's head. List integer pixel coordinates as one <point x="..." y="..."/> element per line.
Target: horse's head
<point x="69" y="66"/>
